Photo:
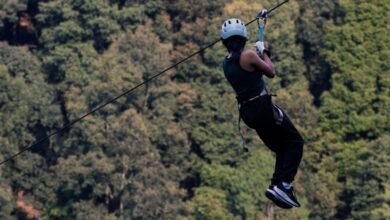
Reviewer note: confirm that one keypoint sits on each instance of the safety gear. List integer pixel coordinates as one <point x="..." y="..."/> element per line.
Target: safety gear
<point x="261" y="49"/>
<point x="233" y="27"/>
<point x="247" y="101"/>
<point x="261" y="21"/>
<point x="263" y="14"/>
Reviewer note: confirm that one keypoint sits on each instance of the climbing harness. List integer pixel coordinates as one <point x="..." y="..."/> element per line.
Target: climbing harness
<point x="70" y="124"/>
<point x="261" y="19"/>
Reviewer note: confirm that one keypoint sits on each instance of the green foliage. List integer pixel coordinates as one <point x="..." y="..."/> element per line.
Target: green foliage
<point x="315" y="19"/>
<point x="244" y="186"/>
<point x="8" y="9"/>
<point x="363" y="171"/>
<point x="6" y="201"/>
<point x="171" y="149"/>
<point x="355" y="49"/>
<point x="210" y="203"/>
<point x="350" y="108"/>
<point x="27" y="102"/>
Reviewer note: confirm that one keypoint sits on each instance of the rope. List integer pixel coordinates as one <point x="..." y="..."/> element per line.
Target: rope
<point x="69" y="125"/>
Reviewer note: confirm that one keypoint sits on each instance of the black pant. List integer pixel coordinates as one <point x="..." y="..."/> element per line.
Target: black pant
<point x="280" y="136"/>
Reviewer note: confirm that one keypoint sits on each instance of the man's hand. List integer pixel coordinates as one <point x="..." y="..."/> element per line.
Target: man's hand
<point x="261" y="49"/>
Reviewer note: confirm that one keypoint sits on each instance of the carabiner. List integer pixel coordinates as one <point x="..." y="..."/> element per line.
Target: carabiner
<point x="261" y="21"/>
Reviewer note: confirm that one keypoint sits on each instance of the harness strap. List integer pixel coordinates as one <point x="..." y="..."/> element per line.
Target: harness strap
<point x="278" y="114"/>
<point x="239" y="130"/>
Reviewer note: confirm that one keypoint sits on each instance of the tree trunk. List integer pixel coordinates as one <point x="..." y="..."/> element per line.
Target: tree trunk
<point x="269" y="211"/>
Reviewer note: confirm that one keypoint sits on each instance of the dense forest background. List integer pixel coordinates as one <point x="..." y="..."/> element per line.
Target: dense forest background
<point x="171" y="149"/>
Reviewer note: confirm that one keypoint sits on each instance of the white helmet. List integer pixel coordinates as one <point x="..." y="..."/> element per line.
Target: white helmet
<point x="233" y="27"/>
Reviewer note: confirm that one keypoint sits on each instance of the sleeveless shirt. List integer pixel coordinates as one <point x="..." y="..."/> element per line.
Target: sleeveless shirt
<point x="246" y="84"/>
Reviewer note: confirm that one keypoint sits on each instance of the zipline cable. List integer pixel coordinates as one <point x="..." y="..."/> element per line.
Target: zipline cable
<point x="69" y="125"/>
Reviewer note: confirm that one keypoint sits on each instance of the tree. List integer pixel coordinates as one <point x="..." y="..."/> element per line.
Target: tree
<point x="171" y="150"/>
<point x="315" y="17"/>
<point x="353" y="109"/>
<point x="63" y="22"/>
<point x="28" y="113"/>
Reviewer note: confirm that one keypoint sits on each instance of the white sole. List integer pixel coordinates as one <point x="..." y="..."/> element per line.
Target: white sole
<point x="272" y="192"/>
<point x="283" y="196"/>
<point x="281" y="202"/>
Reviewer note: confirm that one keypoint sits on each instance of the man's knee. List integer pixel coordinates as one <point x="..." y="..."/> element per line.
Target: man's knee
<point x="296" y="145"/>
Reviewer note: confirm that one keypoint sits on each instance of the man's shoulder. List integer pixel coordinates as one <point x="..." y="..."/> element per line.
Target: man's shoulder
<point x="248" y="53"/>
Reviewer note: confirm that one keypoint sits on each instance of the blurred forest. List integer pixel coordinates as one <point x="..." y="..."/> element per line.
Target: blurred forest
<point x="171" y="149"/>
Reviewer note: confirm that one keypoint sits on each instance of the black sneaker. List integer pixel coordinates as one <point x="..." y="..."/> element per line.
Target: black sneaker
<point x="271" y="194"/>
<point x="286" y="195"/>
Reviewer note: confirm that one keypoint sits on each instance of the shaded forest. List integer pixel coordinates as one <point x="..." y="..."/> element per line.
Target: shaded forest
<point x="171" y="149"/>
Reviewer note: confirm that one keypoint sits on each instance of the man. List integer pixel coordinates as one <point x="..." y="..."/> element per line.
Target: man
<point x="244" y="70"/>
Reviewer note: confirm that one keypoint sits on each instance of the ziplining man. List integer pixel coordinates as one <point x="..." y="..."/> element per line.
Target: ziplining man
<point x="244" y="70"/>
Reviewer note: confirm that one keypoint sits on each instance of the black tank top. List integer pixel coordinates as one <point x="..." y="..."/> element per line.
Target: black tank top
<point x="246" y="84"/>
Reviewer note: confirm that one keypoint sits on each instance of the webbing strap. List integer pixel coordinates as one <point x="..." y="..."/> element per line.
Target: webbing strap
<point x="239" y="129"/>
